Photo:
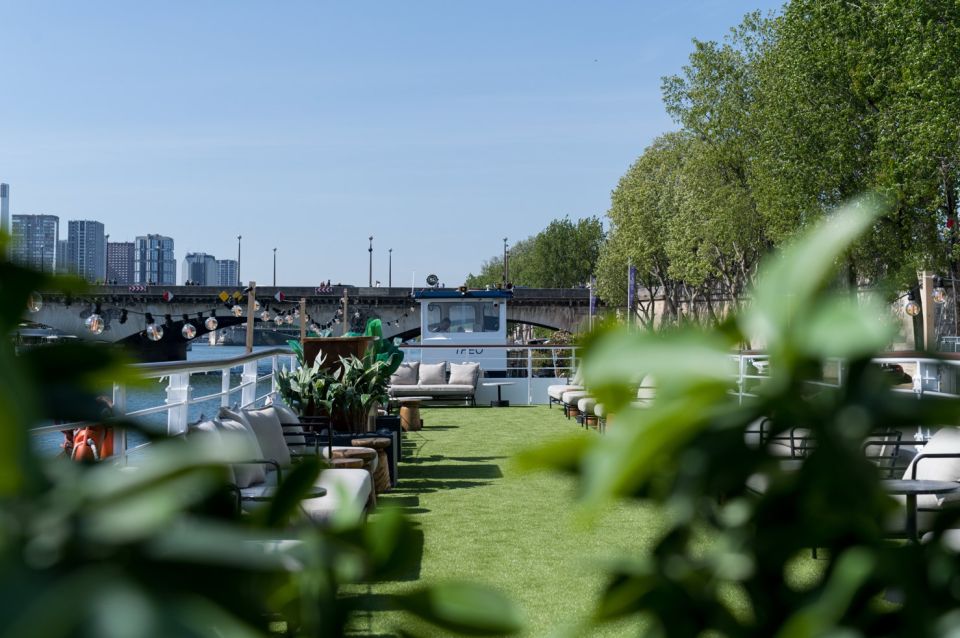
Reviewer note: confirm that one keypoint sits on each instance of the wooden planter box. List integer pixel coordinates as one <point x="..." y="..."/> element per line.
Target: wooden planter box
<point x="333" y="348"/>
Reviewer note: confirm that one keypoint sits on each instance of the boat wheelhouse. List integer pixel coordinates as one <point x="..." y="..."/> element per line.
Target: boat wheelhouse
<point x="468" y="320"/>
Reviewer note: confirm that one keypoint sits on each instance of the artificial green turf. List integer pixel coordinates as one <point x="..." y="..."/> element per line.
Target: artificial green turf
<point x="484" y="520"/>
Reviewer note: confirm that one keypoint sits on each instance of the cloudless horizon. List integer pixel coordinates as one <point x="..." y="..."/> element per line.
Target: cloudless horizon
<point x="439" y="128"/>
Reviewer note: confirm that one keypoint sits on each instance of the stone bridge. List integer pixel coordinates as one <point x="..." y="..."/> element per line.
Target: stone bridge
<point x="124" y="310"/>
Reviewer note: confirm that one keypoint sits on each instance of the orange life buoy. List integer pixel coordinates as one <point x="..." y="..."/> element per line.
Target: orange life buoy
<point x="92" y="443"/>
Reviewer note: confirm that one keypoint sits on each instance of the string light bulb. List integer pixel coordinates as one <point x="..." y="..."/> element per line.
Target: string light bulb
<point x="237" y="310"/>
<point x="94" y="322"/>
<point x="256" y="305"/>
<point x="265" y="316"/>
<point x="34" y="302"/>
<point x="154" y="332"/>
<point x="211" y="323"/>
<point x="189" y="331"/>
<point x="278" y="319"/>
<point x="938" y="294"/>
<point x="912" y="308"/>
<point x="288" y="320"/>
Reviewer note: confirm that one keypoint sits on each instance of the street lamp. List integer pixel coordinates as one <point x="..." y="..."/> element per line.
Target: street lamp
<point x="274" y="267"/>
<point x="506" y="272"/>
<point x="239" y="237"/>
<point x="370" y="250"/>
<point x="390" y="268"/>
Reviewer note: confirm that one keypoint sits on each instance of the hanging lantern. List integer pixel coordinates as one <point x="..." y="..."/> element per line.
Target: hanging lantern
<point x="211" y="323"/>
<point x="256" y="305"/>
<point x="237" y="310"/>
<point x="34" y="302"/>
<point x="278" y="320"/>
<point x="189" y="331"/>
<point x="288" y="320"/>
<point x="94" y="324"/>
<point x="265" y="316"/>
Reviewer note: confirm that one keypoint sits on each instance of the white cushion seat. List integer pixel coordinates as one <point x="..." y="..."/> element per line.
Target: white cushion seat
<point x="600" y="411"/>
<point x="555" y="392"/>
<point x="572" y="396"/>
<point x="586" y="405"/>
<point x="348" y="491"/>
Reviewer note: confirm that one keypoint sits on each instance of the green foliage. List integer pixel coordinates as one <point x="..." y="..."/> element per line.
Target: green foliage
<point x="562" y="255"/>
<point x="688" y="452"/>
<point x="383" y="349"/>
<point x="159" y="549"/>
<point x="348" y="392"/>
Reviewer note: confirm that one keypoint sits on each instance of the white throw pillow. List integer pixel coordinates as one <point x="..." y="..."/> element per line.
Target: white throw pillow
<point x="464" y="373"/>
<point x="433" y="373"/>
<point x="210" y="429"/>
<point x="406" y="374"/>
<point x="267" y="427"/>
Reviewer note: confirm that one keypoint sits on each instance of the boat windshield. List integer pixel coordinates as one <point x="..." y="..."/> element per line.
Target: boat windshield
<point x="444" y="317"/>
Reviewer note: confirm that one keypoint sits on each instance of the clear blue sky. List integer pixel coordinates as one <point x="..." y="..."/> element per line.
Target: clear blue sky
<point x="437" y="127"/>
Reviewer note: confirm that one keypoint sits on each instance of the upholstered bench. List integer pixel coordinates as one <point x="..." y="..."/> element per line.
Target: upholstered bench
<point x="431" y="379"/>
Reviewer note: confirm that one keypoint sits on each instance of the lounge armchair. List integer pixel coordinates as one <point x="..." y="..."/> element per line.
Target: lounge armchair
<point x="555" y="392"/>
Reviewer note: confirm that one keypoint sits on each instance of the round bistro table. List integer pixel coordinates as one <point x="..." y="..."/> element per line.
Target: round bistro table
<point x="913" y="488"/>
<point x="499" y="403"/>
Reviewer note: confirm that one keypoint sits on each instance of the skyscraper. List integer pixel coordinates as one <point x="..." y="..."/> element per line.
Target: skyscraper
<point x="63" y="257"/>
<point x="5" y="208"/>
<point x="35" y="241"/>
<point x="87" y="249"/>
<point x="154" y="262"/>
<point x="227" y="272"/>
<point x="201" y="268"/>
<point x="120" y="262"/>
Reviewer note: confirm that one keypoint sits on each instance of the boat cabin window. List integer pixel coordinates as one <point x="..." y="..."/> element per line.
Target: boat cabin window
<point x="460" y="316"/>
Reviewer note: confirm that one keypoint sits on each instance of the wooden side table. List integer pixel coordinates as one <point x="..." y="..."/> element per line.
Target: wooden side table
<point x="410" y="413"/>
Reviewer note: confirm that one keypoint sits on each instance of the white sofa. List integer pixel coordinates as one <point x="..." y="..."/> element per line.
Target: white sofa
<point x="432" y="379"/>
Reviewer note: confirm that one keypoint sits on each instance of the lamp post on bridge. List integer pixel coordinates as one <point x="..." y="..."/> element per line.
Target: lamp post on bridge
<point x="505" y="270"/>
<point x="274" y="267"/>
<point x="390" y="268"/>
<point x="239" y="237"/>
<point x="370" y="250"/>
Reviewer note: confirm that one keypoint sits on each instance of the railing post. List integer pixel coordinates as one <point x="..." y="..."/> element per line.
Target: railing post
<point x="178" y="392"/>
<point x="529" y="375"/>
<point x="120" y="410"/>
<point x="275" y="360"/>
<point x="225" y="387"/>
<point x="248" y="395"/>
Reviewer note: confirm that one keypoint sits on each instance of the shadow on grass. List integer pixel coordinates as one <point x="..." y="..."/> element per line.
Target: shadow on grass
<point x="452" y="471"/>
<point x="424" y="486"/>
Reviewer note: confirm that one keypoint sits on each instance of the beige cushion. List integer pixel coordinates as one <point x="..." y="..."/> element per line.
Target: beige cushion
<point x="556" y="391"/>
<point x="269" y="432"/>
<point x="210" y="429"/>
<point x="445" y="388"/>
<point x="586" y="404"/>
<point x="464" y="373"/>
<point x="247" y="474"/>
<point x="348" y="491"/>
<point x="433" y="373"/>
<point x="647" y="390"/>
<point x="571" y="397"/>
<point x="285" y="414"/>
<point x="406" y="374"/>
<point x="944" y="441"/>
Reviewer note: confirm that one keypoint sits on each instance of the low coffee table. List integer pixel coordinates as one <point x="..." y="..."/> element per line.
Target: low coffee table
<point x="911" y="489"/>
<point x="499" y="403"/>
<point x="410" y="412"/>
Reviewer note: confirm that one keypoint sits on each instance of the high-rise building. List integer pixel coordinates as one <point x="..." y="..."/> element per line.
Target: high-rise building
<point x="63" y="256"/>
<point x="120" y="261"/>
<point x="5" y="209"/>
<point x="227" y="272"/>
<point x="154" y="262"/>
<point x="201" y="268"/>
<point x="87" y="249"/>
<point x="35" y="241"/>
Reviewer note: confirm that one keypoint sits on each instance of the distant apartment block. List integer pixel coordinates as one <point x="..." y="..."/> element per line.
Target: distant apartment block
<point x="201" y="268"/>
<point x="5" y="209"/>
<point x="87" y="249"/>
<point x="154" y="262"/>
<point x="34" y="241"/>
<point x="120" y="262"/>
<point x="63" y="256"/>
<point x="227" y="272"/>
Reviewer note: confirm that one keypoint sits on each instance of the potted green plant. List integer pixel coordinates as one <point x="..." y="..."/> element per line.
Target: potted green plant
<point x="301" y="388"/>
<point x="353" y="390"/>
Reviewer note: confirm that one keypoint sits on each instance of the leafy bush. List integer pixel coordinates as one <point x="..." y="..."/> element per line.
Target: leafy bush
<point x="724" y="565"/>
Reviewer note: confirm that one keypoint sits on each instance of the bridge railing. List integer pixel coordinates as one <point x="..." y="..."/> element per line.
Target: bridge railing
<point x="192" y="390"/>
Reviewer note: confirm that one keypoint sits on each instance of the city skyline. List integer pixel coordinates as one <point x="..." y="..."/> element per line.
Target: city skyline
<point x="436" y="128"/>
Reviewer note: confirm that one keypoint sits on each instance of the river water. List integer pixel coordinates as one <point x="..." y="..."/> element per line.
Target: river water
<point x="153" y="393"/>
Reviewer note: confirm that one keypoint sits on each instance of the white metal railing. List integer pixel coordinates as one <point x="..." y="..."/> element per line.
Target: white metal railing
<point x="179" y="397"/>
